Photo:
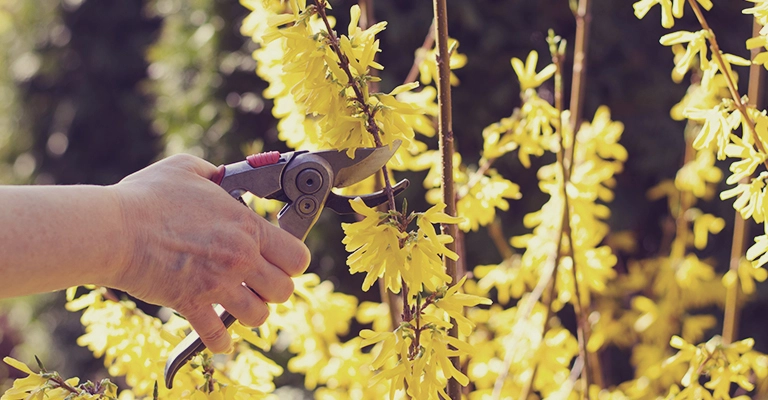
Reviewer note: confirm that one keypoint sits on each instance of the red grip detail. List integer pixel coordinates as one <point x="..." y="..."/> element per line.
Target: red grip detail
<point x="262" y="159"/>
<point x="219" y="175"/>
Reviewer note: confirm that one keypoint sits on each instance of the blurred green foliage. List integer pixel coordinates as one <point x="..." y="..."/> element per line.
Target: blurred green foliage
<point x="92" y="90"/>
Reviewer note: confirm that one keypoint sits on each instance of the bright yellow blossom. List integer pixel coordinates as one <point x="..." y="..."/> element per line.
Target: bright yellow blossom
<point x="526" y="73"/>
<point x="428" y="67"/>
<point x="670" y="9"/>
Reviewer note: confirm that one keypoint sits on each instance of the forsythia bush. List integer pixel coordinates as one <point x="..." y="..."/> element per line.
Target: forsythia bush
<point x="501" y="320"/>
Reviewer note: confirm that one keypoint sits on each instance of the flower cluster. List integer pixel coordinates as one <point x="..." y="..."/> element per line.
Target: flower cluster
<point x="681" y="281"/>
<point x="320" y="82"/>
<point x="50" y="385"/>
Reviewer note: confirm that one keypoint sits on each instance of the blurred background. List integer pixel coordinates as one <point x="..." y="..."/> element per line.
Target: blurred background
<point x="93" y="90"/>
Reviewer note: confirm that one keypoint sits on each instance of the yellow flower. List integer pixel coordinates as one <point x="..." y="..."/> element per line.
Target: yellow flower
<point x="703" y="225"/>
<point x="375" y="243"/>
<point x="750" y="198"/>
<point x="697" y="45"/>
<point x="695" y="176"/>
<point x="694" y="326"/>
<point x="499" y="137"/>
<point x="428" y="67"/>
<point x="667" y="19"/>
<point x="750" y="159"/>
<point x="526" y="73"/>
<point x="759" y="249"/>
<point x="453" y="304"/>
<point x="670" y="9"/>
<point x="715" y="133"/>
<point x="478" y="203"/>
<point x="505" y="277"/>
<point x="721" y="362"/>
<point x="760" y="11"/>
<point x="376" y="314"/>
<point x="31" y="387"/>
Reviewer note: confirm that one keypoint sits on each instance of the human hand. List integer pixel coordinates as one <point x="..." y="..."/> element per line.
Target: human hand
<point x="193" y="245"/>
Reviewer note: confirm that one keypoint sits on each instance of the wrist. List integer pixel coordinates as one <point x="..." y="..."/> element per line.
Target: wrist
<point x="118" y="261"/>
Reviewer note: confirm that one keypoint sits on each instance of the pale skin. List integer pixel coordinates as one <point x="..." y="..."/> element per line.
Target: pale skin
<point x="166" y="235"/>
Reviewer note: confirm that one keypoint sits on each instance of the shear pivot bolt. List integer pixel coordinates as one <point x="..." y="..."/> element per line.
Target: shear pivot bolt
<point x="309" y="181"/>
<point x="307" y="205"/>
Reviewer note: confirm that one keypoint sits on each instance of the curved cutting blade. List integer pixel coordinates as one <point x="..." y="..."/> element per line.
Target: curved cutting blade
<point x="348" y="171"/>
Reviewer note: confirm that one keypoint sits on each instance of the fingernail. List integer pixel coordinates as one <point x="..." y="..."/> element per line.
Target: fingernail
<point x="231" y="349"/>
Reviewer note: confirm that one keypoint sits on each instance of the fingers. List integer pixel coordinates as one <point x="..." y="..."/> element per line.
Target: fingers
<point x="210" y="328"/>
<point x="246" y="306"/>
<point x="283" y="250"/>
<point x="271" y="283"/>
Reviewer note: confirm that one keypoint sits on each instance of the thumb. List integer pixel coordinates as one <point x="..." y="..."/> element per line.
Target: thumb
<point x="191" y="163"/>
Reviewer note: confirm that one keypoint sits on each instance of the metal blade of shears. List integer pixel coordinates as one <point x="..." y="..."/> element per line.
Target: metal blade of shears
<point x="348" y="171"/>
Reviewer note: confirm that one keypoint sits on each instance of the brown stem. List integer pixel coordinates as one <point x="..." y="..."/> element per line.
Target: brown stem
<point x="731" y="310"/>
<point x="370" y="125"/>
<point x="391" y="300"/>
<point x="578" y="86"/>
<point x="475" y="178"/>
<point x="429" y="41"/>
<point x="738" y="101"/>
<point x="497" y="235"/>
<point x="445" y="130"/>
<point x="578" y="89"/>
<point x="524" y="314"/>
<point x="110" y="295"/>
<point x="564" y="221"/>
<point x="366" y="13"/>
<point x="58" y="381"/>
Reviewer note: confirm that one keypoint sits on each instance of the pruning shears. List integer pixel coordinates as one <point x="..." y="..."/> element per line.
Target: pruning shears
<point x="303" y="180"/>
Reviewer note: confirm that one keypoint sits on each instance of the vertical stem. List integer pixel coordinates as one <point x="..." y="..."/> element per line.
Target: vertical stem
<point x="578" y="86"/>
<point x="731" y="317"/>
<point x="497" y="236"/>
<point x="367" y="18"/>
<point x="445" y="129"/>
<point x="557" y="60"/>
<point x="366" y="13"/>
<point x="392" y="301"/>
<point x="578" y="90"/>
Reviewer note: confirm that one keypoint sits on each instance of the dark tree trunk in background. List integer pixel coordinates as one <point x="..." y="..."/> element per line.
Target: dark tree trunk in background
<point x="88" y="114"/>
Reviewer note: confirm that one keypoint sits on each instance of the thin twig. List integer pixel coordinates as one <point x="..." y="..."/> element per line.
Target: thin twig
<point x="557" y="60"/>
<point x="731" y="309"/>
<point x="578" y="90"/>
<point x="523" y="314"/>
<point x="61" y="383"/>
<point x="718" y="56"/>
<point x="578" y="86"/>
<point x="370" y="125"/>
<point x="429" y="41"/>
<point x="477" y="176"/>
<point x="497" y="236"/>
<point x="445" y="134"/>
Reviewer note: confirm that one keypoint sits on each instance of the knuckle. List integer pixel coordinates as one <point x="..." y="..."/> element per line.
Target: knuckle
<point x="285" y="291"/>
<point x="216" y="337"/>
<point x="183" y="158"/>
<point x="301" y="261"/>
<point x="257" y="316"/>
